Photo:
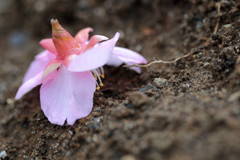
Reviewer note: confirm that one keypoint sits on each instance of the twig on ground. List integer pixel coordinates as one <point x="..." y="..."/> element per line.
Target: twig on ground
<point x="159" y="62"/>
<point x="218" y="6"/>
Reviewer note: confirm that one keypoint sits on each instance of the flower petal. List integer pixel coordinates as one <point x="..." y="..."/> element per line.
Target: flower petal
<point x="67" y="97"/>
<point x="94" y="40"/>
<point x="114" y="61"/>
<point x="136" y="69"/>
<point x="28" y="85"/>
<point x="82" y="35"/>
<point x="129" y="56"/>
<point x="94" y="57"/>
<point x="51" y="66"/>
<point x="38" y="65"/>
<point x="48" y="45"/>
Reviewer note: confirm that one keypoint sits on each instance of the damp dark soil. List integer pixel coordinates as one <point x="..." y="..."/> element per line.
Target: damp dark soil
<point x="188" y="110"/>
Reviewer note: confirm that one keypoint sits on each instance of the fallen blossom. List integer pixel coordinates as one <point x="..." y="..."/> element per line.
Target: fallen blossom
<point x="123" y="55"/>
<point x="70" y="70"/>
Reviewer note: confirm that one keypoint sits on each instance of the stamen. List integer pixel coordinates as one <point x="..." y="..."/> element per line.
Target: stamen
<point x="98" y="74"/>
<point x="98" y="87"/>
<point x="98" y="71"/>
<point x="102" y="72"/>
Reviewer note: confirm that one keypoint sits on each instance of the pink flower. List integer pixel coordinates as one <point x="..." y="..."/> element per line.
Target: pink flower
<point x="123" y="55"/>
<point x="69" y="71"/>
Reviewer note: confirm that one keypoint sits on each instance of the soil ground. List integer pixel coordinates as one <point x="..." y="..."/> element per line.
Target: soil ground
<point x="188" y="110"/>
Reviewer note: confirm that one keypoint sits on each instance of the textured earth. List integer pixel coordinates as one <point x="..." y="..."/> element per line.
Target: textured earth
<point x="186" y="110"/>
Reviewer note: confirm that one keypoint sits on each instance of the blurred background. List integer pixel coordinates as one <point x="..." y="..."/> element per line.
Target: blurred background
<point x="30" y="18"/>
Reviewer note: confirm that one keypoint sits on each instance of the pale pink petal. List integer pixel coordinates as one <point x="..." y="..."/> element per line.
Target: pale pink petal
<point x="114" y="61"/>
<point x="45" y="56"/>
<point x="94" y="57"/>
<point x="82" y="35"/>
<point x="38" y="65"/>
<point x="48" y="45"/>
<point x="129" y="56"/>
<point x="28" y="85"/>
<point x="122" y="55"/>
<point x="136" y="69"/>
<point x="50" y="76"/>
<point x="67" y="97"/>
<point x="94" y="40"/>
<point x="51" y="66"/>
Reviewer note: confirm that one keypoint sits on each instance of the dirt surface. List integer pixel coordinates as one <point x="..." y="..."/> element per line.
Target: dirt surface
<point x="188" y="110"/>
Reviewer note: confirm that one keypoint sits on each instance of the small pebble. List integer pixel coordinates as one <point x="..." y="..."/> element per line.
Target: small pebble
<point x="71" y="132"/>
<point x="206" y="64"/>
<point x="147" y="87"/>
<point x="139" y="47"/>
<point x="160" y="82"/>
<point x="186" y="85"/>
<point x="3" y="154"/>
<point x="97" y="120"/>
<point x="10" y="102"/>
<point x="226" y="26"/>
